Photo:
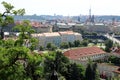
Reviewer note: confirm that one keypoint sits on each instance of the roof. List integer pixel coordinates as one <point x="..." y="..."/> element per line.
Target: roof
<point x="75" y="54"/>
<point x="51" y="34"/>
<point x="66" y="32"/>
<point x="37" y="35"/>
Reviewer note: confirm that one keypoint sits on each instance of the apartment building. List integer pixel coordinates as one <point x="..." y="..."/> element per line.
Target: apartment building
<point x="57" y="38"/>
<point x="53" y="38"/>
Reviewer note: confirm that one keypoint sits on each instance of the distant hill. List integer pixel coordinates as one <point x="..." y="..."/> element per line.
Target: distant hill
<point x="50" y="17"/>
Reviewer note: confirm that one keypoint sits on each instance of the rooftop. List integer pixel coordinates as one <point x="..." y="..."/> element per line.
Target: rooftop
<point x="66" y="32"/>
<point x="75" y="54"/>
<point x="52" y="34"/>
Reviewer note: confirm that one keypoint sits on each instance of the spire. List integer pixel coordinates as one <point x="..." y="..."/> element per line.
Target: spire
<point x="90" y="14"/>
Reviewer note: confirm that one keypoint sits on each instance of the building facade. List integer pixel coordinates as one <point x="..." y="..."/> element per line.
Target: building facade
<point x="57" y="38"/>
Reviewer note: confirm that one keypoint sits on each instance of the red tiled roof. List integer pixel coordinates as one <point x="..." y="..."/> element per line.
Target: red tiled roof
<point x="75" y="54"/>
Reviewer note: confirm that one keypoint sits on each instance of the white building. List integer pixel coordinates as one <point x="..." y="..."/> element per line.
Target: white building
<point x="57" y="38"/>
<point x="53" y="38"/>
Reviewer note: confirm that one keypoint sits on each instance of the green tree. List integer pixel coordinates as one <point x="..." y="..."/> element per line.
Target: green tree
<point x="55" y="61"/>
<point x="18" y="61"/>
<point x="84" y="43"/>
<point x="6" y="18"/>
<point x="34" y="67"/>
<point x="71" y="44"/>
<point x="11" y="67"/>
<point x="115" y="60"/>
<point x="25" y="38"/>
<point x="64" y="45"/>
<point x="108" y="44"/>
<point x="41" y="48"/>
<point x="75" y="72"/>
<point x="51" y="46"/>
<point x="91" y="72"/>
<point x="77" y="43"/>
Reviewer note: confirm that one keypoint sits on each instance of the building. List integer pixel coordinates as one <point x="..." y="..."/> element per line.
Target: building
<point x="57" y="38"/>
<point x="108" y="70"/>
<point x="63" y="26"/>
<point x="53" y="38"/>
<point x="41" y="39"/>
<point x="83" y="54"/>
<point x="70" y="36"/>
<point x="40" y="27"/>
<point x="98" y="27"/>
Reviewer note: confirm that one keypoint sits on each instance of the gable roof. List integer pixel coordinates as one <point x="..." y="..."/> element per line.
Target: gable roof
<point x="75" y="54"/>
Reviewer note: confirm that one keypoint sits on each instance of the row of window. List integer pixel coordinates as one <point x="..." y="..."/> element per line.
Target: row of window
<point x="92" y="57"/>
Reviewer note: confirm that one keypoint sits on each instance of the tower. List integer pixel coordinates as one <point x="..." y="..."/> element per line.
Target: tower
<point x="90" y="14"/>
<point x="78" y="18"/>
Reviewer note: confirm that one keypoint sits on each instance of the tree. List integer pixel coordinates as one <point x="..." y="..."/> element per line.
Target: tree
<point x="75" y="72"/>
<point x="25" y="38"/>
<point x="6" y="18"/>
<point x="11" y="67"/>
<point x="91" y="72"/>
<point x="71" y="44"/>
<point x="33" y="67"/>
<point x="84" y="43"/>
<point x="41" y="48"/>
<point x="115" y="60"/>
<point x="51" y="46"/>
<point x="17" y="60"/>
<point x="108" y="44"/>
<point x="77" y="43"/>
<point x="64" y="45"/>
<point x="55" y="62"/>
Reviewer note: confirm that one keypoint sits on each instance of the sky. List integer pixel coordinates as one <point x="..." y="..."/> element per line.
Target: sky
<point x="66" y="7"/>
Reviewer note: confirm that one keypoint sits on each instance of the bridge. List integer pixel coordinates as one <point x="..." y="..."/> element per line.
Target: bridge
<point x="112" y="38"/>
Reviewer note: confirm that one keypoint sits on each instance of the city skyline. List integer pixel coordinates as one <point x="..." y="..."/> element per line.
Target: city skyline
<point x="66" y="7"/>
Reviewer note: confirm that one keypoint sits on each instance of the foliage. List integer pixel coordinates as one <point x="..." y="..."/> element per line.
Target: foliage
<point x="64" y="45"/>
<point x="41" y="48"/>
<point x="25" y="38"/>
<point x="55" y="61"/>
<point x="91" y="72"/>
<point x="77" y="43"/>
<point x="58" y="62"/>
<point x="71" y="44"/>
<point x="34" y="67"/>
<point x="115" y="60"/>
<point x="6" y="18"/>
<point x="75" y="72"/>
<point x="109" y="45"/>
<point x="19" y="62"/>
<point x="51" y="46"/>
<point x="11" y="66"/>
<point x="84" y="43"/>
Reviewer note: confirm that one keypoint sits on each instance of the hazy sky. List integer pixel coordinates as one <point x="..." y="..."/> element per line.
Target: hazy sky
<point x="66" y="7"/>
